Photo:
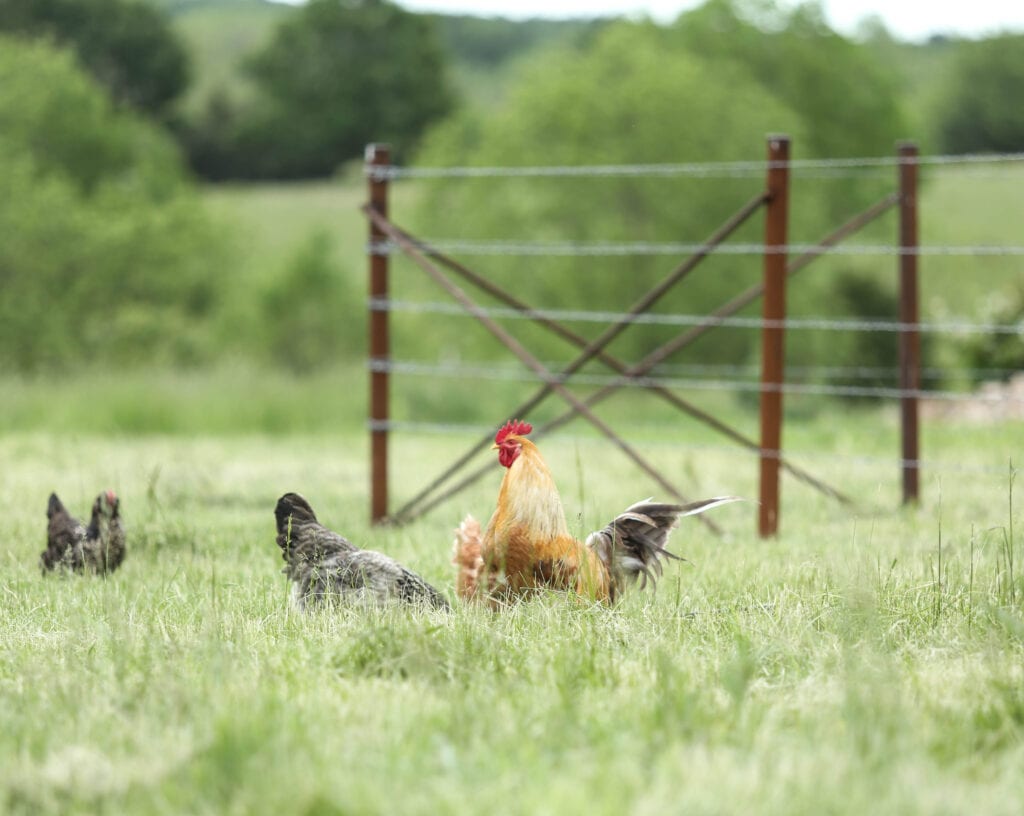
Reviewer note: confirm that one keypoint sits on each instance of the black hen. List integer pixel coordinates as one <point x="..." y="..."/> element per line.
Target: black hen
<point x="322" y="564"/>
<point x="98" y="548"/>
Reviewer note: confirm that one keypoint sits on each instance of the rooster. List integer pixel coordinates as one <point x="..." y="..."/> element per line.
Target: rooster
<point x="527" y="544"/>
<point x="323" y="564"/>
<point x="98" y="548"/>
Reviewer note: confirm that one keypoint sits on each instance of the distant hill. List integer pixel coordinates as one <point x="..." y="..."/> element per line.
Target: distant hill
<point x="482" y="48"/>
<point x="184" y="6"/>
<point x="491" y="41"/>
<point x="220" y="33"/>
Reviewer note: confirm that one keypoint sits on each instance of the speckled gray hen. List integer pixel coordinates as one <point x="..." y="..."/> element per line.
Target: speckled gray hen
<point x="325" y="565"/>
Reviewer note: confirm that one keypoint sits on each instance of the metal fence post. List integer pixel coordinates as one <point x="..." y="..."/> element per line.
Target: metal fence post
<point x="910" y="345"/>
<point x="773" y="331"/>
<point x="378" y="157"/>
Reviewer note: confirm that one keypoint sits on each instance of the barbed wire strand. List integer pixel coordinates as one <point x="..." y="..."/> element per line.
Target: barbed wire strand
<point x="572" y="249"/>
<point x="581" y="316"/>
<point x="753" y="370"/>
<point x="454" y="371"/>
<point x="799" y="371"/>
<point x="459" y="429"/>
<point x="693" y="169"/>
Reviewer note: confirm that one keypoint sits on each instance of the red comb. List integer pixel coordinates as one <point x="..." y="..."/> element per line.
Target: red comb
<point x="513" y="426"/>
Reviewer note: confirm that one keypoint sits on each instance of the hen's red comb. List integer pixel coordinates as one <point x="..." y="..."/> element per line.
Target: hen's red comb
<point x="513" y="426"/>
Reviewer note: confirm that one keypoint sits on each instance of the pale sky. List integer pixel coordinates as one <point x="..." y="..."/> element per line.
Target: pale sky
<point x="906" y="19"/>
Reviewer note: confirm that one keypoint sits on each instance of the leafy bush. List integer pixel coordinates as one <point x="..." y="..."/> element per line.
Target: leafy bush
<point x="998" y="355"/>
<point x="333" y="77"/>
<point x="859" y="359"/>
<point x="633" y="97"/>
<point x="982" y="111"/>
<point x="107" y="254"/>
<point x="129" y="47"/>
<point x="305" y="312"/>
<point x="848" y="103"/>
<point x="709" y="88"/>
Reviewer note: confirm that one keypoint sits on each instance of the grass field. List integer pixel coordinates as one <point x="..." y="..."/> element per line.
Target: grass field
<point x="868" y="660"/>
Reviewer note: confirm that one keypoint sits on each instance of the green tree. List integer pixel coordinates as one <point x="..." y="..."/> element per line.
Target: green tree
<point x="489" y="41"/>
<point x="336" y="75"/>
<point x="305" y="311"/>
<point x="998" y="355"/>
<point x="707" y="88"/>
<point x="128" y="46"/>
<point x="633" y="97"/>
<point x="983" y="110"/>
<point x="107" y="255"/>
<point x="849" y="102"/>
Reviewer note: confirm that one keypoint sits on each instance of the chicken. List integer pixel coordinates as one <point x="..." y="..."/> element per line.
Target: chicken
<point x="527" y="544"/>
<point x="323" y="564"/>
<point x="98" y="548"/>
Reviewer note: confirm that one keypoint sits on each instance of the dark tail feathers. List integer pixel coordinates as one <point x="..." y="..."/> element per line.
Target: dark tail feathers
<point x="633" y="545"/>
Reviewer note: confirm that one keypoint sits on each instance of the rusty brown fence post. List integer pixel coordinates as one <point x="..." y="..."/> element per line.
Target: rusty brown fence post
<point x="773" y="331"/>
<point x="910" y="344"/>
<point x="378" y="157"/>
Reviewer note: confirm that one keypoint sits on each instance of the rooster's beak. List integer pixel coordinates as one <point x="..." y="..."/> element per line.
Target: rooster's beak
<point x="495" y="446"/>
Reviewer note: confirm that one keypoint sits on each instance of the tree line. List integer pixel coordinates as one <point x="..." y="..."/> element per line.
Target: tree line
<point x="335" y="75"/>
<point x="109" y="256"/>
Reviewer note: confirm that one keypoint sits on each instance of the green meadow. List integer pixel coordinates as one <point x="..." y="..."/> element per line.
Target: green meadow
<point x="869" y="659"/>
<point x="200" y="349"/>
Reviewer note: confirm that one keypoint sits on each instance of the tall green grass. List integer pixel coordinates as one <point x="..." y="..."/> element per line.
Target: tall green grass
<point x="229" y="399"/>
<point x="867" y="660"/>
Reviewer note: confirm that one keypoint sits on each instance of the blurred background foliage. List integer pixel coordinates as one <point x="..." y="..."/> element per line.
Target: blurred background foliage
<point x="329" y="74"/>
<point x="182" y="175"/>
<point x="106" y="252"/>
<point x="129" y="47"/>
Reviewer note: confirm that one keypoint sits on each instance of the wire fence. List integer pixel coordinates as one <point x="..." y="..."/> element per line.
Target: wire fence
<point x="737" y="370"/>
<point x="1002" y="399"/>
<point x="796" y="323"/>
<point x="998" y="467"/>
<point x="654" y="248"/>
<point x="710" y="170"/>
<point x="507" y="374"/>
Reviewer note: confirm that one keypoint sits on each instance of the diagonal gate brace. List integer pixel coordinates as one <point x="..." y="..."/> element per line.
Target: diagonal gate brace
<point x="630" y="374"/>
<point x="633" y="373"/>
<point x="552" y="381"/>
<point x="593" y="348"/>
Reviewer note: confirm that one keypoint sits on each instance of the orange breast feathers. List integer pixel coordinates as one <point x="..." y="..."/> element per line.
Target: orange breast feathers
<point x="527" y="542"/>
